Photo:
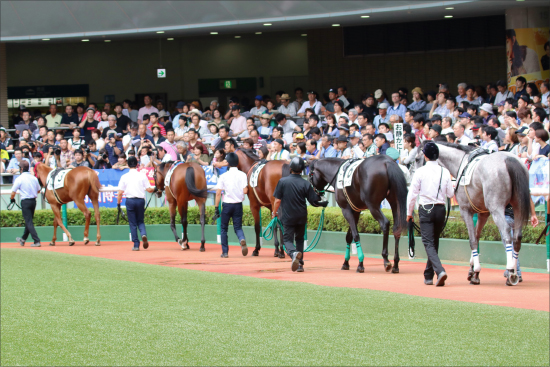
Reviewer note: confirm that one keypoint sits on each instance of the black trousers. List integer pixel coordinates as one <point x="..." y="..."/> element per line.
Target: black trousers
<point x="431" y="226"/>
<point x="294" y="232"/>
<point x="27" y="207"/>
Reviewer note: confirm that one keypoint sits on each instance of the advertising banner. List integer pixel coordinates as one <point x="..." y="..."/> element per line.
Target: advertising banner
<point x="528" y="55"/>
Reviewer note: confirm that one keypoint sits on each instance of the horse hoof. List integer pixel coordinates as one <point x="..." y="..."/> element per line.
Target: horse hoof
<point x="202" y="249"/>
<point x="345" y="267"/>
<point x="395" y="270"/>
<point x="187" y="246"/>
<point x="86" y="241"/>
<point x="255" y="253"/>
<point x="513" y="278"/>
<point x="475" y="279"/>
<point x="281" y="255"/>
<point x="276" y="253"/>
<point x="388" y="267"/>
<point x="52" y="244"/>
<point x="360" y="269"/>
<point x="97" y="244"/>
<point x="470" y="273"/>
<point x="72" y="243"/>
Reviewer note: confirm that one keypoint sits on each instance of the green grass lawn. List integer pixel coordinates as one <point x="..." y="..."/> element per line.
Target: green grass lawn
<point x="59" y="309"/>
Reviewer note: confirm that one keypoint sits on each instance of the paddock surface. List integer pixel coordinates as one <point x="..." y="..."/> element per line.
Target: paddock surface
<point x="324" y="269"/>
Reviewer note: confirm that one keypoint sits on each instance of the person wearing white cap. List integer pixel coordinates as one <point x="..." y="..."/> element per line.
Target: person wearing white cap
<point x="380" y="97"/>
<point x="486" y="111"/>
<point x="382" y="115"/>
<point x="354" y="151"/>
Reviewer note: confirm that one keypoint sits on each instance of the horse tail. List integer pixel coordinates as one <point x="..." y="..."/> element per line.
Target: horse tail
<point x="95" y="185"/>
<point x="285" y="170"/>
<point x="520" y="191"/>
<point x="398" y="185"/>
<point x="190" y="182"/>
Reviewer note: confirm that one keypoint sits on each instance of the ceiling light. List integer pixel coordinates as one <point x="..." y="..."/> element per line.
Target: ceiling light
<point x="448" y="16"/>
<point x="107" y="41"/>
<point x="365" y="16"/>
<point x="160" y="32"/>
<point x="86" y="40"/>
<point x="237" y="36"/>
<point x="304" y="34"/>
<point x="267" y="24"/>
<point x="213" y="32"/>
<point x="336" y="25"/>
<point x="258" y="32"/>
<point x="451" y="8"/>
<point x="45" y="39"/>
<point x="169" y="39"/>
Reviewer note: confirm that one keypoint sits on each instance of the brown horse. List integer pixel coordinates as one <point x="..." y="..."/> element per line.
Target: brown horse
<point x="262" y="195"/>
<point x="188" y="182"/>
<point x="79" y="182"/>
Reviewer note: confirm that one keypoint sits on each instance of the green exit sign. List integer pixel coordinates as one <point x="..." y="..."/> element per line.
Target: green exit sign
<point x="228" y="84"/>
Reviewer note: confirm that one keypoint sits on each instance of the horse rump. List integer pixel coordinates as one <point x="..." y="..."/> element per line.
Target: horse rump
<point x="398" y="184"/>
<point x="520" y="191"/>
<point x="190" y="182"/>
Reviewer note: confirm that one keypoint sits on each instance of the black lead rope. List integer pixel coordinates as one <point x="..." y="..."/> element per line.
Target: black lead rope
<point x="12" y="204"/>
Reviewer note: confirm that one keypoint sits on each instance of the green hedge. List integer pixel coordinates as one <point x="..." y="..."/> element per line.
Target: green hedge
<point x="334" y="221"/>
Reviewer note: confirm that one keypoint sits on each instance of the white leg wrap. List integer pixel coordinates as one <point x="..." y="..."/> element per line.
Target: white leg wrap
<point x="354" y="248"/>
<point x="475" y="257"/>
<point x="509" y="257"/>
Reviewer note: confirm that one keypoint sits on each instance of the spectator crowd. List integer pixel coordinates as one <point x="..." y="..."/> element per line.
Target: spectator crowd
<point x="307" y="125"/>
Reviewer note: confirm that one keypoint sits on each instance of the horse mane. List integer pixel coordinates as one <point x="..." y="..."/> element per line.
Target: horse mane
<point x="163" y="165"/>
<point x="250" y="153"/>
<point x="464" y="148"/>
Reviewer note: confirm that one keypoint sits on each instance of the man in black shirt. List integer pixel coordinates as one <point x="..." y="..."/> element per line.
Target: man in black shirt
<point x="89" y="124"/>
<point x="122" y="121"/>
<point x="291" y="194"/>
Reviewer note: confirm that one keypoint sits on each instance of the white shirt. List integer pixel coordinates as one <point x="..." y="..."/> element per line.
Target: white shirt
<point x="233" y="182"/>
<point x="464" y="140"/>
<point x="288" y="129"/>
<point x="502" y="97"/>
<point x="281" y="156"/>
<point x="316" y="107"/>
<point x="544" y="98"/>
<point x="102" y="125"/>
<point x="255" y="111"/>
<point x="425" y="183"/>
<point x="134" y="184"/>
<point x="290" y="110"/>
<point x="441" y="111"/>
<point x="491" y="146"/>
<point x="447" y="131"/>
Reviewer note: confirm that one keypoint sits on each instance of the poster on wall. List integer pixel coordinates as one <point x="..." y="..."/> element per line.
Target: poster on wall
<point x="528" y="55"/>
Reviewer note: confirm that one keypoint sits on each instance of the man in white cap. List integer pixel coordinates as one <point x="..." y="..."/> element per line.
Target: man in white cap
<point x="379" y="96"/>
<point x="486" y="111"/>
<point x="382" y="115"/>
<point x="287" y="108"/>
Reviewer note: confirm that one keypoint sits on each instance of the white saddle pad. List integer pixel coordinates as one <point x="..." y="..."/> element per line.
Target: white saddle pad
<point x="255" y="174"/>
<point x="467" y="177"/>
<point x="59" y="180"/>
<point x="170" y="172"/>
<point x="348" y="176"/>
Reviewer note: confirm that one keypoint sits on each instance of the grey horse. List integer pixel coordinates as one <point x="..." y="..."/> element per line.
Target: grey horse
<point x="500" y="178"/>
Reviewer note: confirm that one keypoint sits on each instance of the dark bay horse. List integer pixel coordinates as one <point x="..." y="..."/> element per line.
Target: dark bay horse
<point x="498" y="180"/>
<point x="79" y="182"/>
<point x="375" y="179"/>
<point x="262" y="195"/>
<point x="188" y="182"/>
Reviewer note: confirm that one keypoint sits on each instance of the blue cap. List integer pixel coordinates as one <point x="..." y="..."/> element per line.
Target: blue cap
<point x="465" y="114"/>
<point x="259" y="98"/>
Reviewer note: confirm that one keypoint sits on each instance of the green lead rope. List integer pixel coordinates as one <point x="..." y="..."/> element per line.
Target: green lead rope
<point x="269" y="231"/>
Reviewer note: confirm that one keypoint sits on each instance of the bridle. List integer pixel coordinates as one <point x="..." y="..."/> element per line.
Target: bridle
<point x="329" y="183"/>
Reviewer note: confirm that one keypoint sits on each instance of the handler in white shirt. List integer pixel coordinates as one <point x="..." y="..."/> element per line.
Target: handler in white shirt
<point x="432" y="183"/>
<point x="134" y="184"/>
<point x="235" y="184"/>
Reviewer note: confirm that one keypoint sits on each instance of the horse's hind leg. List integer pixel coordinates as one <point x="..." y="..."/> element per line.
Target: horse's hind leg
<point x="202" y="206"/>
<point x="349" y="239"/>
<point x="385" y="227"/>
<point x="255" y="209"/>
<point x="172" y="210"/>
<point x="54" y="238"/>
<point x="396" y="235"/>
<point x="97" y="216"/>
<point x="511" y="252"/>
<point x="183" y="214"/>
<point x="57" y="212"/>
<point x="87" y="215"/>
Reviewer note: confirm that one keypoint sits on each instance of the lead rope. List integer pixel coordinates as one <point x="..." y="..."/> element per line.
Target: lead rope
<point x="318" y="234"/>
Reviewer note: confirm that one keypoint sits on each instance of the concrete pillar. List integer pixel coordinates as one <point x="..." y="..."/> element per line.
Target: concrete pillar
<point x="3" y="87"/>
<point x="527" y="17"/>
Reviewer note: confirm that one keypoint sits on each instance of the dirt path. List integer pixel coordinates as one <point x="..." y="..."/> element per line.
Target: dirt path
<point x="324" y="269"/>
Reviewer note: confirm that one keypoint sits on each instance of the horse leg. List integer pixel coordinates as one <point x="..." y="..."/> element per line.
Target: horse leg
<point x="517" y="236"/>
<point x="202" y="206"/>
<point x="183" y="215"/>
<point x="352" y="218"/>
<point x="87" y="215"/>
<point x="54" y="238"/>
<point x="95" y="203"/>
<point x="385" y="226"/>
<point x="349" y="239"/>
<point x="511" y="253"/>
<point x="172" y="210"/>
<point x="255" y="209"/>
<point x="475" y="267"/>
<point x="396" y="235"/>
<point x="57" y="211"/>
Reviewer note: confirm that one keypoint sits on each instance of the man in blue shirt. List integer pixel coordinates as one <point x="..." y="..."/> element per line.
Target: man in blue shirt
<point x="397" y="108"/>
<point x="176" y="118"/>
<point x="15" y="163"/>
<point x="520" y="87"/>
<point x="113" y="147"/>
<point x="29" y="188"/>
<point x="382" y="143"/>
<point x="327" y="150"/>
